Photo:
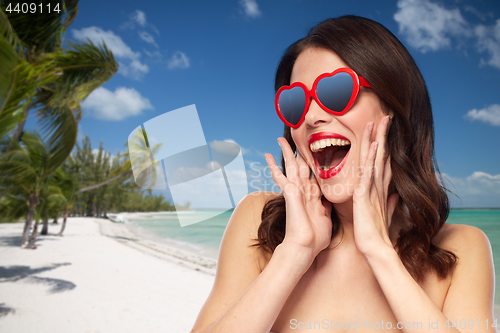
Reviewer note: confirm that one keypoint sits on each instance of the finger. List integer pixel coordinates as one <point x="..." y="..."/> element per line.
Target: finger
<point x="381" y="153"/>
<point x="387" y="174"/>
<point x="366" y="179"/>
<point x="291" y="167"/>
<point x="328" y="206"/>
<point x="391" y="206"/>
<point x="365" y="143"/>
<point x="304" y="170"/>
<point x="278" y="176"/>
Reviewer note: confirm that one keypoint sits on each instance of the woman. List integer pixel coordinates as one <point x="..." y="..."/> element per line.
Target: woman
<point x="358" y="239"/>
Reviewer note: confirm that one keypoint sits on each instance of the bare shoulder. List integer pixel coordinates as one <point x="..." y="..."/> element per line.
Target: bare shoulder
<point x="239" y="263"/>
<point x="255" y="201"/>
<point x="462" y="239"/>
<point x="249" y="212"/>
<point x="473" y="278"/>
<point x="249" y="209"/>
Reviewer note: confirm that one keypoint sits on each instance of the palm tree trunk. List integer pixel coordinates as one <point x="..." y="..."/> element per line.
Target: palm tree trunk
<point x="94" y="206"/>
<point x="34" y="234"/>
<point x="45" y="229"/>
<point x="64" y="222"/>
<point x="33" y="200"/>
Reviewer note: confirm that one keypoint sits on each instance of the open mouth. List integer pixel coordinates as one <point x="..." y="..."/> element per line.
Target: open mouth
<point x="329" y="152"/>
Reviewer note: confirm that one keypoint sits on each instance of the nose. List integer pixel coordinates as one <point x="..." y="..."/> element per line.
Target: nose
<point x="316" y="116"/>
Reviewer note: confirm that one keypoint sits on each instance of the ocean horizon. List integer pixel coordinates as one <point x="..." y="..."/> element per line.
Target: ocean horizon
<point x="204" y="237"/>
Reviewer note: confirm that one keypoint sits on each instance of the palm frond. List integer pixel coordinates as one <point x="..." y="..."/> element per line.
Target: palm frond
<point x="70" y="10"/>
<point x="27" y="78"/>
<point x="61" y="130"/>
<point x="8" y="59"/>
<point x="17" y="174"/>
<point x="8" y="33"/>
<point x="13" y="207"/>
<point x="85" y="67"/>
<point x="36" y="149"/>
<point x="40" y="31"/>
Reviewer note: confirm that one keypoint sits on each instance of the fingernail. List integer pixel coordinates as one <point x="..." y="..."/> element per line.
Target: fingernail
<point x="375" y="145"/>
<point x="386" y="121"/>
<point x="371" y="126"/>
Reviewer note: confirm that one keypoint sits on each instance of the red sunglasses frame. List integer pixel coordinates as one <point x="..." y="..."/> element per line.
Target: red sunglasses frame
<point x="357" y="80"/>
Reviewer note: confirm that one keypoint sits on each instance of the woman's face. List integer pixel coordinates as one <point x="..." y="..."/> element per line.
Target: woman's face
<point x="341" y="158"/>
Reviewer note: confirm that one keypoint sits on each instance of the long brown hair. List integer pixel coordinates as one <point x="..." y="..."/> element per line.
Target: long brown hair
<point x="377" y="55"/>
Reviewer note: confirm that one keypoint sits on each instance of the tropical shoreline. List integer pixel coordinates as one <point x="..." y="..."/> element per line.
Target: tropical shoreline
<point x="138" y="223"/>
<point x="166" y="249"/>
<point x="98" y="277"/>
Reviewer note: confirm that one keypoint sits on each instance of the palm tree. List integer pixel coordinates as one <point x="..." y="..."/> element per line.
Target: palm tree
<point x="54" y="203"/>
<point x="39" y="71"/>
<point x="142" y="154"/>
<point x="68" y="185"/>
<point x="25" y="171"/>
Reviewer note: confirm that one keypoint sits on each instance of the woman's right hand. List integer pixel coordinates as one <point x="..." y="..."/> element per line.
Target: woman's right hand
<point x="308" y="213"/>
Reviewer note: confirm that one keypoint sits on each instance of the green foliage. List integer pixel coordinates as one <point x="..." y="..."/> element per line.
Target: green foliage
<point x="39" y="71"/>
<point x="26" y="187"/>
<point x="94" y="167"/>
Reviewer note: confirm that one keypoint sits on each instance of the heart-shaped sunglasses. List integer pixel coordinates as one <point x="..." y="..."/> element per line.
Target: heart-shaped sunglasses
<point x="334" y="92"/>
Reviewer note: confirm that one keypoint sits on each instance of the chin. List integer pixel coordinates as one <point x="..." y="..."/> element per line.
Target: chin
<point x="338" y="191"/>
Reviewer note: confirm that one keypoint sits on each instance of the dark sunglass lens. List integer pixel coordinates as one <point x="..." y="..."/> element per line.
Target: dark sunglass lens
<point x="292" y="103"/>
<point x="335" y="91"/>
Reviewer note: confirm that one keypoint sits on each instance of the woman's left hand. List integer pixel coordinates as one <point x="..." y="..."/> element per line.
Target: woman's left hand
<point x="373" y="208"/>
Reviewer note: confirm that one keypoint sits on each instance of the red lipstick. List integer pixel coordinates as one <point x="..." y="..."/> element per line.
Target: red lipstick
<point x="326" y="174"/>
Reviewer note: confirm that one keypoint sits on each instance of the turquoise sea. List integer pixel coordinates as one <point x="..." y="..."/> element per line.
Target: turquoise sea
<point x="204" y="237"/>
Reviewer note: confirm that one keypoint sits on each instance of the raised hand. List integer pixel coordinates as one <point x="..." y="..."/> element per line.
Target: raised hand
<point x="308" y="221"/>
<point x="372" y="208"/>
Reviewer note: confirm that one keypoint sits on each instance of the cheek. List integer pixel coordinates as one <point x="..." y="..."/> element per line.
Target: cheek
<point x="297" y="139"/>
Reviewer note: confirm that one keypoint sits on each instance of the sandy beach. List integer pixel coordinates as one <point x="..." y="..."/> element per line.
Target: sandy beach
<point x="99" y="277"/>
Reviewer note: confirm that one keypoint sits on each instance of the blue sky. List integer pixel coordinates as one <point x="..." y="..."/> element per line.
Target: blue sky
<point x="222" y="56"/>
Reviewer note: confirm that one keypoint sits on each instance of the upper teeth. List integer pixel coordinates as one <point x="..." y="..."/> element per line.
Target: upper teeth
<point x="320" y="144"/>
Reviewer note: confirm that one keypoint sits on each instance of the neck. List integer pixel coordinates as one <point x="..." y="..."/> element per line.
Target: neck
<point x="345" y="234"/>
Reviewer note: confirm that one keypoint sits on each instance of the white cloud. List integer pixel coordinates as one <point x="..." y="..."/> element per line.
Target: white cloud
<point x="147" y="37"/>
<point x="490" y="114"/>
<point x="122" y="103"/>
<point x="251" y="8"/>
<point x="488" y="39"/>
<point x="480" y="189"/>
<point x="428" y="26"/>
<point x="139" y="17"/>
<point x="178" y="60"/>
<point x="156" y="54"/>
<point x="130" y="65"/>
<point x="113" y="42"/>
<point x="134" y="69"/>
<point x="477" y="13"/>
